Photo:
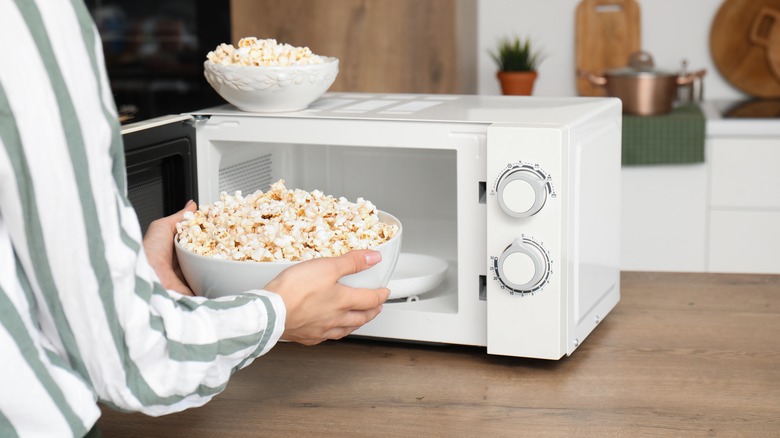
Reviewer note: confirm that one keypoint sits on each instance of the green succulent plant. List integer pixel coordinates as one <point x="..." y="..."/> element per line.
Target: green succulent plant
<point x="516" y="54"/>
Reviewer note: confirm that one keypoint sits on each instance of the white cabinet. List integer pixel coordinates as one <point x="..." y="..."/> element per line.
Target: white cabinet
<point x="744" y="241"/>
<point x="663" y="219"/>
<point x="744" y="212"/>
<point x="745" y="173"/>
<point x="719" y="216"/>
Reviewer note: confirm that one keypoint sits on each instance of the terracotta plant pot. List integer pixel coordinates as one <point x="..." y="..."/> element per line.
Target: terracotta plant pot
<point x="517" y="83"/>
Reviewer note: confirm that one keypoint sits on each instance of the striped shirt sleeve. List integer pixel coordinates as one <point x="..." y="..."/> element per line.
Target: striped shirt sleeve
<point x="83" y="316"/>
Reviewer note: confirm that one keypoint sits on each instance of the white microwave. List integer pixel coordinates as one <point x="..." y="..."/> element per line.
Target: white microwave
<point x="517" y="198"/>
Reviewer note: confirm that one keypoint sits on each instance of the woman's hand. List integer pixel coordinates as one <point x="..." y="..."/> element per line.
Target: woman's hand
<point x="158" y="244"/>
<point x="318" y="306"/>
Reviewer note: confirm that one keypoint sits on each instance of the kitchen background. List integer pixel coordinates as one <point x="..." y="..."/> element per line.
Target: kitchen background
<point x="438" y="46"/>
<point x="719" y="214"/>
<point x="671" y="31"/>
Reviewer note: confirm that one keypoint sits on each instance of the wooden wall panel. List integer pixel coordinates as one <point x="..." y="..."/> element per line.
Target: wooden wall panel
<point x="403" y="46"/>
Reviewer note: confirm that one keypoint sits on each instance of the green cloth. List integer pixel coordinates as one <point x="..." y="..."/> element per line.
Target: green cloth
<point x="673" y="138"/>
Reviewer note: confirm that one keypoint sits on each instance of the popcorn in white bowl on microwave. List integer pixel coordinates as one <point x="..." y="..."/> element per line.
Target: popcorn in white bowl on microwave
<point x="240" y="243"/>
<point x="261" y="75"/>
<point x="256" y="52"/>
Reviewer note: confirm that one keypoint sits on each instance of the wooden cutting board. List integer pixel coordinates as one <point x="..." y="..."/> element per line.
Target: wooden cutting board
<point x="607" y="32"/>
<point x="755" y="109"/>
<point x="745" y="45"/>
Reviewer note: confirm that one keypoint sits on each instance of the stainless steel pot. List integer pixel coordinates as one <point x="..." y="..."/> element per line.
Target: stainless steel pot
<point x="644" y="90"/>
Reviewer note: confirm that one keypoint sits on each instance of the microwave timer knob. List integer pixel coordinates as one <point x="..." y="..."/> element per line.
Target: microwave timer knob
<point x="522" y="190"/>
<point x="523" y="267"/>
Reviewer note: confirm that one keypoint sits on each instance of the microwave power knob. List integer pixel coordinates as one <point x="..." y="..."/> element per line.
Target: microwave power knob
<point x="521" y="193"/>
<point x="523" y="267"/>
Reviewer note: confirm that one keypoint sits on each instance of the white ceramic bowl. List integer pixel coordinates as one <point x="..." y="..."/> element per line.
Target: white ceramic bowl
<point x="272" y="89"/>
<point x="212" y="277"/>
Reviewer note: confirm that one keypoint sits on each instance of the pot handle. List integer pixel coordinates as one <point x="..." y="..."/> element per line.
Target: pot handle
<point x="594" y="79"/>
<point x="689" y="78"/>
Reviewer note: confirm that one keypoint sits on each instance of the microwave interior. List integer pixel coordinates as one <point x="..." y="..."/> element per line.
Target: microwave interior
<point x="417" y="185"/>
<point x="428" y="175"/>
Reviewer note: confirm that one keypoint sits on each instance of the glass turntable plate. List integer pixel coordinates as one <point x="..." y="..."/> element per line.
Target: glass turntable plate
<point x="416" y="274"/>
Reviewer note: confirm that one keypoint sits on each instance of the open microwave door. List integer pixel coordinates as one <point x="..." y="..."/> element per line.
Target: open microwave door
<point x="161" y="166"/>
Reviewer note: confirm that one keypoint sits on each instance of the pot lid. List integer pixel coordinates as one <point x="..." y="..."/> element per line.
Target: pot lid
<point x="640" y="64"/>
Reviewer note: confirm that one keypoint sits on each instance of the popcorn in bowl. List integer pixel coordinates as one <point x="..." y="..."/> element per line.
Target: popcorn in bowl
<point x="262" y="75"/>
<point x="282" y="224"/>
<point x="262" y="52"/>
<point x="219" y="246"/>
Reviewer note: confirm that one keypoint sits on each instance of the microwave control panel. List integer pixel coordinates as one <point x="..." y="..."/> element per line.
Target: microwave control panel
<point x="521" y="191"/>
<point x="526" y="302"/>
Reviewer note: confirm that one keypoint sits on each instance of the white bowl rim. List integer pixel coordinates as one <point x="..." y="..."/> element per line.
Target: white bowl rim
<point x="285" y="262"/>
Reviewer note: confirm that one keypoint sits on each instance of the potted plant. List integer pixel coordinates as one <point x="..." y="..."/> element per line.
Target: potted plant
<point x="517" y="65"/>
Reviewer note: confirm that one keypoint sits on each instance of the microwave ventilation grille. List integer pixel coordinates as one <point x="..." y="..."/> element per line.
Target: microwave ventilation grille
<point x="248" y="176"/>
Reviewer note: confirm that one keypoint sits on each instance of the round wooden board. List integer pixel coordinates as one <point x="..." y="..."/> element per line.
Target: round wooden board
<point x="742" y="61"/>
<point x="761" y="109"/>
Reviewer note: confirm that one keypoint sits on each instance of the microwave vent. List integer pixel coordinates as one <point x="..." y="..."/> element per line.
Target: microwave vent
<point x="248" y="176"/>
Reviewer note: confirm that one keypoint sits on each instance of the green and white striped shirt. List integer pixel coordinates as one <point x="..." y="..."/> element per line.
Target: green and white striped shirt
<point x="83" y="316"/>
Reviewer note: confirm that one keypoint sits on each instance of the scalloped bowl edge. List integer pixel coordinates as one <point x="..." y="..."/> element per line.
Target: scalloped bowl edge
<point x="271" y="89"/>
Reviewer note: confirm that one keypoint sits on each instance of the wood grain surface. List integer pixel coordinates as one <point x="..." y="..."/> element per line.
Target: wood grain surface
<point x="607" y="32"/>
<point x="745" y="45"/>
<point x="404" y="46"/>
<point x="694" y="355"/>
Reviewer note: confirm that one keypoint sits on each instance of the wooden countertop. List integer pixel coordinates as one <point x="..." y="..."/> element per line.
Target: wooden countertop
<point x="681" y="355"/>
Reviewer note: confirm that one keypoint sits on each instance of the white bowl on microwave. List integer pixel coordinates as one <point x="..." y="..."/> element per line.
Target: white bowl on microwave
<point x="273" y="88"/>
<point x="213" y="277"/>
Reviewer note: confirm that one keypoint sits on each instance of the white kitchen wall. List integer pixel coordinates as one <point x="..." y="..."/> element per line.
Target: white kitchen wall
<point x="671" y="30"/>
